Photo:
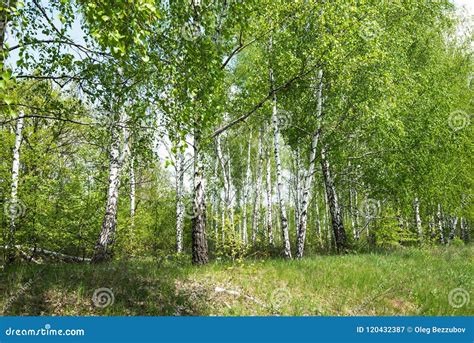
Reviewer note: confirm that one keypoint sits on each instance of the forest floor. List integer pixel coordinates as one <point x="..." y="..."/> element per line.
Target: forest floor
<point x="432" y="281"/>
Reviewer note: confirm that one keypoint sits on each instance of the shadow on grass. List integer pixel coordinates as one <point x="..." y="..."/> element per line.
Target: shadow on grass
<point x="136" y="287"/>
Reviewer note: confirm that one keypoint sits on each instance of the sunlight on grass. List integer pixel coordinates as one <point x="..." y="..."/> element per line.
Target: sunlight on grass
<point x="404" y="282"/>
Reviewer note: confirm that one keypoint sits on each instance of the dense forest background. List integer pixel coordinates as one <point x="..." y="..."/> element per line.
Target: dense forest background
<point x="232" y="129"/>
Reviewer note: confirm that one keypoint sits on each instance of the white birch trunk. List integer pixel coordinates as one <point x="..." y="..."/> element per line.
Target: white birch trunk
<point x="246" y="195"/>
<point x="463" y="230"/>
<point x="298" y="190"/>
<point x="454" y="224"/>
<point x="230" y="189"/>
<point x="335" y="210"/>
<point x="356" y="210"/>
<point x="318" y="220"/>
<point x="440" y="224"/>
<point x="308" y="180"/>
<point x="276" y="142"/>
<point x="257" y="204"/>
<point x="131" y="171"/>
<point x="355" y="230"/>
<point x="419" y="229"/>
<point x="269" y="199"/>
<point x="215" y="204"/>
<point x="180" y="207"/>
<point x="14" y="204"/>
<point x="227" y="184"/>
<point x="132" y="190"/>
<point x="326" y="218"/>
<point x="109" y="224"/>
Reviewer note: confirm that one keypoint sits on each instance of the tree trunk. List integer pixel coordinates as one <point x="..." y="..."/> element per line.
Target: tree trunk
<point x="132" y="192"/>
<point x="454" y="224"/>
<point x="131" y="174"/>
<point x="14" y="204"/>
<point x="276" y="142"/>
<point x="106" y="239"/>
<point x="308" y="179"/>
<point x="257" y="204"/>
<point x="464" y="231"/>
<point x="297" y="189"/>
<point x="440" y="224"/>
<point x="353" y="209"/>
<point x="327" y="228"/>
<point x="335" y="210"/>
<point x="356" y="209"/>
<point x="215" y="202"/>
<point x="419" y="229"/>
<point x="180" y="207"/>
<point x="199" y="247"/>
<point x="302" y="224"/>
<point x="230" y="189"/>
<point x="226" y="175"/>
<point x="269" y="199"/>
<point x="246" y="195"/>
<point x="318" y="220"/>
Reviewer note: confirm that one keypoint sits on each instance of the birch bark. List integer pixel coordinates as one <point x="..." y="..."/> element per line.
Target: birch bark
<point x="102" y="250"/>
<point x="335" y="210"/>
<point x="199" y="239"/>
<point x="14" y="205"/>
<point x="257" y="204"/>
<point x="281" y="201"/>
<point x="308" y="179"/>
<point x="246" y="194"/>
<point x="180" y="207"/>
<point x="416" y="204"/>
<point x="439" y="218"/>
<point x="269" y="199"/>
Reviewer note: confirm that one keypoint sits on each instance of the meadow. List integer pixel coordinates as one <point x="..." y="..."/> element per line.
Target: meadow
<point x="432" y="281"/>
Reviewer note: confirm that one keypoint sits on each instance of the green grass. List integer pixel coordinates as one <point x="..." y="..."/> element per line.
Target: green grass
<point x="402" y="282"/>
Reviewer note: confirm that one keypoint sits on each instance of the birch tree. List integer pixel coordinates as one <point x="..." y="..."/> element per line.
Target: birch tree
<point x="117" y="154"/>
<point x="257" y="200"/>
<point x="333" y="202"/>
<point x="279" y="178"/>
<point x="13" y="204"/>
<point x="308" y="179"/>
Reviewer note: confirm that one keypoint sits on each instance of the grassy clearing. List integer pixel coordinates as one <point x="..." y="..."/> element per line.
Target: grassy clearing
<point x="404" y="282"/>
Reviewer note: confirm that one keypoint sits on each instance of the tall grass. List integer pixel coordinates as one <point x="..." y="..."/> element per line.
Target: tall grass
<point x="402" y="282"/>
